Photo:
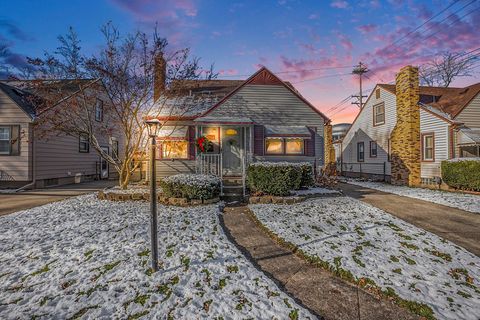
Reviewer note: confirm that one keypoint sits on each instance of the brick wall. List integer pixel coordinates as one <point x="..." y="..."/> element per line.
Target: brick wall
<point x="329" y="156"/>
<point x="405" y="137"/>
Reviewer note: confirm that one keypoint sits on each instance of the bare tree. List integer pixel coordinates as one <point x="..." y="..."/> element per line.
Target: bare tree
<point x="443" y="70"/>
<point x="126" y="69"/>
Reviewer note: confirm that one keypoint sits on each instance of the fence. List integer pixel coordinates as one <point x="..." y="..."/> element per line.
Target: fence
<point x="363" y="169"/>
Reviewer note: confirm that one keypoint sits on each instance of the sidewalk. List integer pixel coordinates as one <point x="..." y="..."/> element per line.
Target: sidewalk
<point x="13" y="202"/>
<point x="315" y="288"/>
<point x="460" y="227"/>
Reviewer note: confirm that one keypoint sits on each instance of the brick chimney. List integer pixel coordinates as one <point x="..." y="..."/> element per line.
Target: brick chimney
<point x="329" y="152"/>
<point x="405" y="137"/>
<point x="159" y="77"/>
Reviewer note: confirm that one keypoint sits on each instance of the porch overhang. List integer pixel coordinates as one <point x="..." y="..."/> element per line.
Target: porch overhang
<point x="287" y="132"/>
<point x="468" y="137"/>
<point x="224" y="120"/>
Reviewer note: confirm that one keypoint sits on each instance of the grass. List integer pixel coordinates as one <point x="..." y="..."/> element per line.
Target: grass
<point x="232" y="269"/>
<point x="80" y="313"/>
<point x="408" y="245"/>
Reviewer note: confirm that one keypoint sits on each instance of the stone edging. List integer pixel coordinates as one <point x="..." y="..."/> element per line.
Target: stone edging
<point x="181" y="202"/>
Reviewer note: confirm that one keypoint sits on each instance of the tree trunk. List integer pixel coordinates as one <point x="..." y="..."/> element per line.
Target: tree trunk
<point x="124" y="176"/>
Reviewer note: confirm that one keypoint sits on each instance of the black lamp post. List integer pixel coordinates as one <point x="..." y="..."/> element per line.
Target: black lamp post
<point x="153" y="126"/>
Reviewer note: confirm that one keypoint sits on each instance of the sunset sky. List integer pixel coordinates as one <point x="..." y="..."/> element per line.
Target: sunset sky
<point x="313" y="44"/>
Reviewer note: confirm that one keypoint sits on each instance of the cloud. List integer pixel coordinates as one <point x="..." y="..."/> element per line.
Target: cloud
<point x="339" y="4"/>
<point x="228" y="72"/>
<point x="14" y="31"/>
<point x="367" y="28"/>
<point x="303" y="69"/>
<point x="345" y="42"/>
<point x="313" y="16"/>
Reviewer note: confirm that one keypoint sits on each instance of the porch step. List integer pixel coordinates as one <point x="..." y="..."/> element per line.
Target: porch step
<point x="232" y="181"/>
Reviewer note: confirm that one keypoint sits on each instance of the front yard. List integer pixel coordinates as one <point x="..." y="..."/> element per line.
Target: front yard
<point x="88" y="258"/>
<point x="360" y="241"/>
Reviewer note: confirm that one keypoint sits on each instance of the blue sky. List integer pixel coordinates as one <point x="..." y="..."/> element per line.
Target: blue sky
<point x="288" y="36"/>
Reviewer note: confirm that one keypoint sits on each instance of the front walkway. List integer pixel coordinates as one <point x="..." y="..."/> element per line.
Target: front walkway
<point x="459" y="226"/>
<point x="13" y="202"/>
<point x="315" y="288"/>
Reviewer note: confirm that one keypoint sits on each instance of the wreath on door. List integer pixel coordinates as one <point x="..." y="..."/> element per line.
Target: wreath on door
<point x="232" y="142"/>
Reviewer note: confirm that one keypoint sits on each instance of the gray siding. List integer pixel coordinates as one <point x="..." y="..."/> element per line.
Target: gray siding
<point x="274" y="105"/>
<point x="470" y="116"/>
<point x="362" y="130"/>
<point x="16" y="167"/>
<point x="432" y="124"/>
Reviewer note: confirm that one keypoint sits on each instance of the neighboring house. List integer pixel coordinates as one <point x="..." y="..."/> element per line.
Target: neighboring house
<point x="259" y="119"/>
<point x="339" y="131"/>
<point x="404" y="131"/>
<point x="29" y="158"/>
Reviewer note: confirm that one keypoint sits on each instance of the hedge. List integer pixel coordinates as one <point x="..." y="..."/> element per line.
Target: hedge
<point x="278" y="178"/>
<point x="191" y="186"/>
<point x="462" y="173"/>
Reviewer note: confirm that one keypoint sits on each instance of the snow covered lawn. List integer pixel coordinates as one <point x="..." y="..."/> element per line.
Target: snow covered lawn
<point x="88" y="258"/>
<point x="463" y="201"/>
<point x="368" y="242"/>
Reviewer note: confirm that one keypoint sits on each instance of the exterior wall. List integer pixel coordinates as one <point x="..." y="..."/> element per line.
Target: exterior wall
<point x="405" y="137"/>
<point x="470" y="116"/>
<point x="440" y="129"/>
<point x="363" y="130"/>
<point x="274" y="105"/>
<point x="16" y="168"/>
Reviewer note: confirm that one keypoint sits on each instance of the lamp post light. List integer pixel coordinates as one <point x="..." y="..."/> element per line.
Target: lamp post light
<point x="153" y="126"/>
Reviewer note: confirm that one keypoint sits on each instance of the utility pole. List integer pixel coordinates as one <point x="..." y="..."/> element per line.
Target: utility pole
<point x="359" y="69"/>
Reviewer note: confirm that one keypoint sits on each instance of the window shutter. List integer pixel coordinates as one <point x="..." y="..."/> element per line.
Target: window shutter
<point x="258" y="140"/>
<point x="310" y="143"/>
<point x="191" y="142"/>
<point x="15" y="141"/>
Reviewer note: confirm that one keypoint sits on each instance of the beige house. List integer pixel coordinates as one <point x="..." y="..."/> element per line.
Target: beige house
<point x="416" y="129"/>
<point x="28" y="159"/>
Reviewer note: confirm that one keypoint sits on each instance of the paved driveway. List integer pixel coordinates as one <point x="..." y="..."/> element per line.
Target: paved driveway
<point x="459" y="226"/>
<point x="13" y="202"/>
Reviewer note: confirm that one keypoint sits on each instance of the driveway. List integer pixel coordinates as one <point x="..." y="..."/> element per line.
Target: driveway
<point x="459" y="226"/>
<point x="13" y="202"/>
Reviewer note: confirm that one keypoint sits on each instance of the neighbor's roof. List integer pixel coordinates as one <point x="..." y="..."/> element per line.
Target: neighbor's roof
<point x="450" y="101"/>
<point x="22" y="98"/>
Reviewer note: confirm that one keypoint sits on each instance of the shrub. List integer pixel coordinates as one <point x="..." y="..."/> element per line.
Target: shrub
<point x="191" y="186"/>
<point x="462" y="173"/>
<point x="278" y="178"/>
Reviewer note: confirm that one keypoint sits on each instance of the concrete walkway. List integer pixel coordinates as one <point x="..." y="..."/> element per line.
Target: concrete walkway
<point x="315" y="288"/>
<point x="13" y="202"/>
<point x="459" y="226"/>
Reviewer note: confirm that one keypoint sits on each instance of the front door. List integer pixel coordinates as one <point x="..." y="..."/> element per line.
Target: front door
<point x="232" y="151"/>
<point x="104" y="165"/>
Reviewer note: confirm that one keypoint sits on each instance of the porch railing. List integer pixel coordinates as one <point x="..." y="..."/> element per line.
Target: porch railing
<point x="210" y="164"/>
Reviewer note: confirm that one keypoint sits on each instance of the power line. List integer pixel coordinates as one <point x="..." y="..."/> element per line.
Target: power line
<point x="292" y="71"/>
<point x="322" y="77"/>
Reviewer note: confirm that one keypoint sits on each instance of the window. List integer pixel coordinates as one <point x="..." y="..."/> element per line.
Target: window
<point x="373" y="149"/>
<point x="360" y="152"/>
<point x="115" y="148"/>
<point x="377" y="94"/>
<point x="99" y="110"/>
<point x="379" y="114"/>
<point x="9" y="140"/>
<point x="213" y="135"/>
<point x="294" y="146"/>
<point x="428" y="144"/>
<point x="84" y="143"/>
<point x="174" y="149"/>
<point x="274" y="146"/>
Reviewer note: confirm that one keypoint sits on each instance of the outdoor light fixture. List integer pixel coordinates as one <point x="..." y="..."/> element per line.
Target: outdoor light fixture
<point x="153" y="127"/>
<point x="231" y="132"/>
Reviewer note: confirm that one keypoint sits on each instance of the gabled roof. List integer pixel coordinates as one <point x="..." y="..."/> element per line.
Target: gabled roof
<point x="20" y="97"/>
<point x="450" y="101"/>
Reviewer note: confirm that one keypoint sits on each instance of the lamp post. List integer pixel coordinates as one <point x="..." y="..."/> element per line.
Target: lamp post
<point x="153" y="125"/>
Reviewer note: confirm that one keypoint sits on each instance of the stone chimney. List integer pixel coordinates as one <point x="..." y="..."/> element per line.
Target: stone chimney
<point x="329" y="152"/>
<point x="405" y="137"/>
<point x="159" y="76"/>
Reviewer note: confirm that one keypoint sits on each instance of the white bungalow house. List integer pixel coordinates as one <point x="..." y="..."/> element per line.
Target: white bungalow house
<point x="259" y="119"/>
<point x="444" y="122"/>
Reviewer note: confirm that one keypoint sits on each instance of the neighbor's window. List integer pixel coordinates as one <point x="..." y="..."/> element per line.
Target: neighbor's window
<point x="294" y="146"/>
<point x="9" y="140"/>
<point x="5" y="133"/>
<point x="174" y="149"/>
<point x="274" y="145"/>
<point x="379" y="114"/>
<point x="84" y="143"/>
<point x="377" y="94"/>
<point x="360" y="152"/>
<point x="99" y="110"/>
<point x="427" y="147"/>
<point x="115" y="149"/>
<point x="373" y="149"/>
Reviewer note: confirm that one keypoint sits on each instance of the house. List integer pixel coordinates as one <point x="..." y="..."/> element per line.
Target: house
<point x="261" y="118"/>
<point x="404" y="131"/>
<point x="30" y="158"/>
<point x="339" y="131"/>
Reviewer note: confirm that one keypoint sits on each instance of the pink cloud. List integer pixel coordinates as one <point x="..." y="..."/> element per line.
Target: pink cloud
<point x="345" y="42"/>
<point x="367" y="28"/>
<point x="339" y="4"/>
<point x="228" y="72"/>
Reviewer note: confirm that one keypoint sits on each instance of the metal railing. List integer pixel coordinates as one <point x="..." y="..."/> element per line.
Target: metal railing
<point x="364" y="168"/>
<point x="210" y="163"/>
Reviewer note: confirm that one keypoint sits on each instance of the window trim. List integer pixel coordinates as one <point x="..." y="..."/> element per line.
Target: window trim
<point x="97" y="105"/>
<point x="11" y="128"/>
<point x="376" y="148"/>
<point x="80" y="143"/>
<point x="284" y="146"/>
<point x="422" y="145"/>
<point x="358" y="151"/>
<point x="159" y="155"/>
<point x="376" y="124"/>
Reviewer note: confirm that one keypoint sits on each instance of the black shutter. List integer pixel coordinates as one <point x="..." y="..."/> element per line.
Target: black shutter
<point x="310" y="143"/>
<point x="258" y="140"/>
<point x="15" y="140"/>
